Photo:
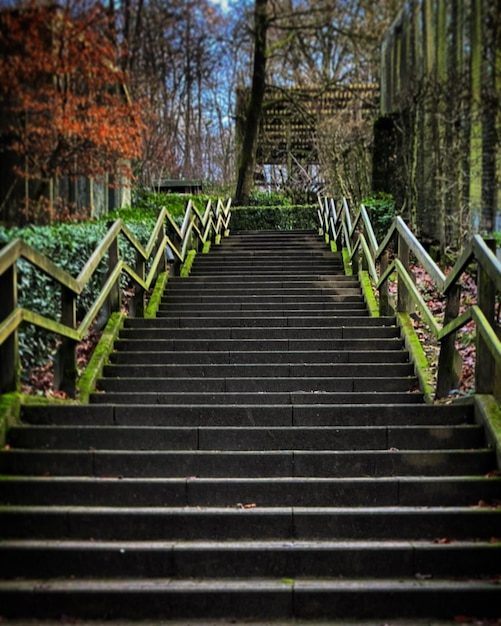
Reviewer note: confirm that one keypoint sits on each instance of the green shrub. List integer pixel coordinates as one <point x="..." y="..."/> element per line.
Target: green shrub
<point x="274" y="218"/>
<point x="269" y="199"/>
<point x="69" y="246"/>
<point x="175" y="203"/>
<point x="382" y="211"/>
<point x="497" y="238"/>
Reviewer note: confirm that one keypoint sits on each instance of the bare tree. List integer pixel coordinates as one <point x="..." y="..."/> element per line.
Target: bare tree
<point x="247" y="159"/>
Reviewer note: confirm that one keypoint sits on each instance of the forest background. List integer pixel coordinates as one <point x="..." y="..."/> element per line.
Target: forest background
<point x="170" y="70"/>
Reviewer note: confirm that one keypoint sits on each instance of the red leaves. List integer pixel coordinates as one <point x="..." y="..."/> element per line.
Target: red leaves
<point x="465" y="342"/>
<point x="41" y="381"/>
<point x="62" y="90"/>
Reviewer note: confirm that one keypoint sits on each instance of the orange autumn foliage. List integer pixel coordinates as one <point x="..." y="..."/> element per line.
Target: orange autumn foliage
<point x="63" y="95"/>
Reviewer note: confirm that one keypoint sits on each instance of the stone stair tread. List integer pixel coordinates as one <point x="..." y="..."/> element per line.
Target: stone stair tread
<point x="154" y="398"/>
<point x="320" y="385"/>
<point x="350" y="320"/>
<point x="246" y="415"/>
<point x="257" y="370"/>
<point x="251" y="339"/>
<point x="126" y="491"/>
<point x="254" y="357"/>
<point x="253" y="463"/>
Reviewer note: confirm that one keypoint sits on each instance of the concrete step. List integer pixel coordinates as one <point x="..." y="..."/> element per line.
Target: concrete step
<point x="325" y="357"/>
<point x="322" y="337"/>
<point x="396" y="491"/>
<point x="244" y="438"/>
<point x="276" y="265"/>
<point x="271" y="559"/>
<point x="302" y="415"/>
<point x="267" y="256"/>
<point x="298" y="270"/>
<point x="249" y="313"/>
<point x="256" y="399"/>
<point x="270" y="300"/>
<point x="315" y="282"/>
<point x="209" y="309"/>
<point x="272" y="320"/>
<point x="242" y="523"/>
<point x="257" y="339"/>
<point x="249" y="464"/>
<point x="259" y="370"/>
<point x="276" y="384"/>
<point x="331" y="322"/>
<point x="165" y="598"/>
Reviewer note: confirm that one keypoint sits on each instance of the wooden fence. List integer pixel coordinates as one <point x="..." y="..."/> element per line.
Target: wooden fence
<point x="356" y="235"/>
<point x="197" y="228"/>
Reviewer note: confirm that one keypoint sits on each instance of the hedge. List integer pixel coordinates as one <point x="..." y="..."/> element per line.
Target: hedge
<point x="274" y="218"/>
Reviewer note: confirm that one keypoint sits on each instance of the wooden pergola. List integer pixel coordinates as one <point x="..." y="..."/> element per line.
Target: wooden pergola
<point x="291" y="116"/>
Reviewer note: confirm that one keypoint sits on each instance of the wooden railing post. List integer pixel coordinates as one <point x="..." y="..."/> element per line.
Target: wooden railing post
<point x="136" y="305"/>
<point x="448" y="361"/>
<point x="9" y="350"/>
<point x="355" y="262"/>
<point x="485" y="366"/>
<point x="403" y="299"/>
<point x="115" y="297"/>
<point x="164" y="262"/>
<point x="338" y="230"/>
<point x="66" y="372"/>
<point x="384" y="299"/>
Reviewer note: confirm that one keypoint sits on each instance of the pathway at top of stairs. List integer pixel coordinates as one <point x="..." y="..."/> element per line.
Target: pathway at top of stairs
<point x="259" y="451"/>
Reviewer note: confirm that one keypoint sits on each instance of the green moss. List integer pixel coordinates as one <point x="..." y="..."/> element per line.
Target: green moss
<point x="417" y="356"/>
<point x="368" y="293"/>
<point x="27" y="400"/>
<point x="156" y="296"/>
<point x="206" y="248"/>
<point x="186" y="267"/>
<point x="346" y="262"/>
<point x="94" y="370"/>
<point x="488" y="413"/>
<point x="333" y="245"/>
<point x="10" y="409"/>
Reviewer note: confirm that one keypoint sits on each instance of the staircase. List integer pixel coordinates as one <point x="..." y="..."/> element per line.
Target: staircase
<point x="258" y="451"/>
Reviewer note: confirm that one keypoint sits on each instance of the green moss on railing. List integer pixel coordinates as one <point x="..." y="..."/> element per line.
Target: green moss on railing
<point x="100" y="357"/>
<point x="346" y="262"/>
<point x="417" y="356"/>
<point x="10" y="409"/>
<point x="368" y="293"/>
<point x="156" y="295"/>
<point x="186" y="267"/>
<point x="488" y="413"/>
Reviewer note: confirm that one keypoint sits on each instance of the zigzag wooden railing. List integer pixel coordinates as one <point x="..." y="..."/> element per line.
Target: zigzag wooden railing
<point x="197" y="228"/>
<point x="356" y="235"/>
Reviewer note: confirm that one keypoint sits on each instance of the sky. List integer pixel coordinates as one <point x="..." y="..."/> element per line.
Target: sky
<point x="224" y="4"/>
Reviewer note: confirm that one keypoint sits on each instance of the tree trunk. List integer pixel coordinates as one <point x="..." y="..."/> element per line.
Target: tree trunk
<point x="248" y="149"/>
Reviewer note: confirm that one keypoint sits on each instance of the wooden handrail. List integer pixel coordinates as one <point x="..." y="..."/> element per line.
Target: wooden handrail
<point x="197" y="227"/>
<point x="358" y="238"/>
